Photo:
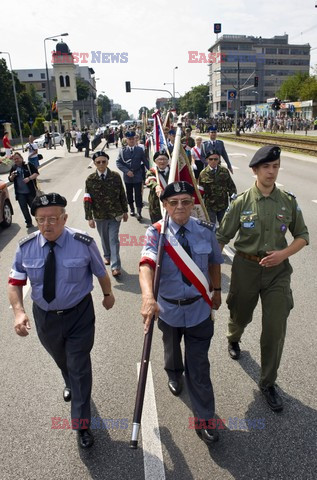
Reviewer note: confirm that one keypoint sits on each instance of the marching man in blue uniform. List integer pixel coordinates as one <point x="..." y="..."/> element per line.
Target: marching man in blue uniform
<point x="60" y="263"/>
<point x="215" y="145"/>
<point x="130" y="161"/>
<point x="190" y="271"/>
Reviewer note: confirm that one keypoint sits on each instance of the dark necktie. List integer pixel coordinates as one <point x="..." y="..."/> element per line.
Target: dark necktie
<point x="183" y="240"/>
<point x="49" y="274"/>
<point x="103" y="176"/>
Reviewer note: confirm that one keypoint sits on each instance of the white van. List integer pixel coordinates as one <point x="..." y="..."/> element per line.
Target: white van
<point x="114" y="123"/>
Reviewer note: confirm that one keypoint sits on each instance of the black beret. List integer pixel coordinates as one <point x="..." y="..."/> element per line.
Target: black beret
<point x="48" y="200"/>
<point x="159" y="154"/>
<point x="177" y="188"/>
<point x="266" y="154"/>
<point x="211" y="152"/>
<point x="130" y="134"/>
<point x="100" y="154"/>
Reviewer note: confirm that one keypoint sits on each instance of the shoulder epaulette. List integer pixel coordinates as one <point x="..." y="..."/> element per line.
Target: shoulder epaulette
<point x="27" y="239"/>
<point x="290" y="193"/>
<point x="83" y="238"/>
<point x="203" y="223"/>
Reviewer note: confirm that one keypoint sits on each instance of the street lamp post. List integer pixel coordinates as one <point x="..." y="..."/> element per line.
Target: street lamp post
<point x="15" y="99"/>
<point x="48" y="82"/>
<point x="174" y="101"/>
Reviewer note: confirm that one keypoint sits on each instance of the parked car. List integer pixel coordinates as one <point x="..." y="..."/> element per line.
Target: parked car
<point x="41" y="140"/>
<point x="6" y="210"/>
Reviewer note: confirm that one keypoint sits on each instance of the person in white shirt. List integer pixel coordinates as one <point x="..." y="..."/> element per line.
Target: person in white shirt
<point x="33" y="151"/>
<point x="198" y="164"/>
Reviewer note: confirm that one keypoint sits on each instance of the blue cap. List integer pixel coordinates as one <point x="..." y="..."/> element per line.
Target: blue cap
<point x="212" y="128"/>
<point x="130" y="134"/>
<point x="172" y="132"/>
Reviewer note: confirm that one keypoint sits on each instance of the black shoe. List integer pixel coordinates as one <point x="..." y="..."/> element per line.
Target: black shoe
<point x="208" y="436"/>
<point x="175" y="386"/>
<point x="139" y="217"/>
<point x="85" y="437"/>
<point x="29" y="225"/>
<point x="67" y="394"/>
<point x="273" y="399"/>
<point x="132" y="213"/>
<point x="234" y="350"/>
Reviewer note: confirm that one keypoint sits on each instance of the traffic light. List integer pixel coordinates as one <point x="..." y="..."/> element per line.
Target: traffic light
<point x="128" y="87"/>
<point x="256" y="81"/>
<point x="276" y="104"/>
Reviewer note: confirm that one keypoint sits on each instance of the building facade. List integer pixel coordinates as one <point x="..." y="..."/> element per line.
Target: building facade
<point x="240" y="58"/>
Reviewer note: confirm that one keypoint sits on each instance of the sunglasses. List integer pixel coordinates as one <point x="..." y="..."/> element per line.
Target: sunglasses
<point x="184" y="203"/>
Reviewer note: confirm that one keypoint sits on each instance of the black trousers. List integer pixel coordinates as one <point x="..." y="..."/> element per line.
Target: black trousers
<point x="137" y="189"/>
<point x="25" y="201"/>
<point x="69" y="338"/>
<point x="197" y="368"/>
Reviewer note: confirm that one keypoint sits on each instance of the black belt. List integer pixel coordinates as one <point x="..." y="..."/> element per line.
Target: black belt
<point x="68" y="310"/>
<point x="183" y="301"/>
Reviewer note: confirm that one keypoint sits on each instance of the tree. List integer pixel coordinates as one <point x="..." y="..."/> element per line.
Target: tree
<point x="308" y="90"/>
<point x="103" y="107"/>
<point x="195" y="101"/>
<point x="83" y="89"/>
<point x="290" y="89"/>
<point x="120" y="115"/>
<point x="7" y="103"/>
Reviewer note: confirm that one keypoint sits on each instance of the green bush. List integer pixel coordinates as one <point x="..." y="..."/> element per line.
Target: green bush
<point x="38" y="126"/>
<point x="26" y="131"/>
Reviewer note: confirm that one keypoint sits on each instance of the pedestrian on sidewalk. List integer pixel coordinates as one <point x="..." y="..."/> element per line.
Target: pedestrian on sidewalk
<point x="24" y="178"/>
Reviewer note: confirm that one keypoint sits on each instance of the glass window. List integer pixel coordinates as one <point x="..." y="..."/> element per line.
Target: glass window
<point x="61" y="81"/>
<point x="67" y="81"/>
<point x="30" y="74"/>
<point x="43" y="85"/>
<point x="271" y="50"/>
<point x="283" y="51"/>
<point x="42" y="75"/>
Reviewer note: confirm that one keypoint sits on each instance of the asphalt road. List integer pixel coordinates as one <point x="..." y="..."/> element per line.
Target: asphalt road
<point x="274" y="446"/>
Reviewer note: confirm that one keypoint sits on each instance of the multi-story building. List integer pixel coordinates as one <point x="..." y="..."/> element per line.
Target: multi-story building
<point x="240" y="58"/>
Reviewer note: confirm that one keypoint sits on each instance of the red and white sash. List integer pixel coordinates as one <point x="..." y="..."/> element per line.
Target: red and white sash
<point x="185" y="264"/>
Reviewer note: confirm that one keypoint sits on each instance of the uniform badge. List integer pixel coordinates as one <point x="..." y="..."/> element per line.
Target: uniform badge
<point x="283" y="228"/>
<point x="44" y="200"/>
<point x="177" y="187"/>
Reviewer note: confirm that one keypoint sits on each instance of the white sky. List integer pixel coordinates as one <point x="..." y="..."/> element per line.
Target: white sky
<point x="156" y="34"/>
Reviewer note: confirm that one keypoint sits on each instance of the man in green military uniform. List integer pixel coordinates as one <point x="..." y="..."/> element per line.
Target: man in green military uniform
<point x="217" y="185"/>
<point x="156" y="180"/>
<point x="106" y="205"/>
<point x="261" y="216"/>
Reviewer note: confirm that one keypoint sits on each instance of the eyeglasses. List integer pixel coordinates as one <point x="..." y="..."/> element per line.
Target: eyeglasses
<point x="184" y="203"/>
<point x="50" y="220"/>
<point x="99" y="162"/>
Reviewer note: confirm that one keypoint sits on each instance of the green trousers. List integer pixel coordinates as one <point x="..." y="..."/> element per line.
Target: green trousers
<point x="249" y="281"/>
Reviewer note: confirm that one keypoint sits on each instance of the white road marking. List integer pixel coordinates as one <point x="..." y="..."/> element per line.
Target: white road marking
<point x="77" y="195"/>
<point x="151" y="439"/>
<point x="235" y="168"/>
<point x="315" y="201"/>
<point x="237" y="154"/>
<point x="229" y="252"/>
<point x="26" y="288"/>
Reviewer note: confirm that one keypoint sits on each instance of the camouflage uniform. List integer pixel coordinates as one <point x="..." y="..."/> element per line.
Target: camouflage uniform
<point x="106" y="202"/>
<point x="107" y="198"/>
<point x="154" y="201"/>
<point x="217" y="185"/>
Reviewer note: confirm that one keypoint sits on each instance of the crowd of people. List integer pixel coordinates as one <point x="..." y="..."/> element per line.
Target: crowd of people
<point x="190" y="280"/>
